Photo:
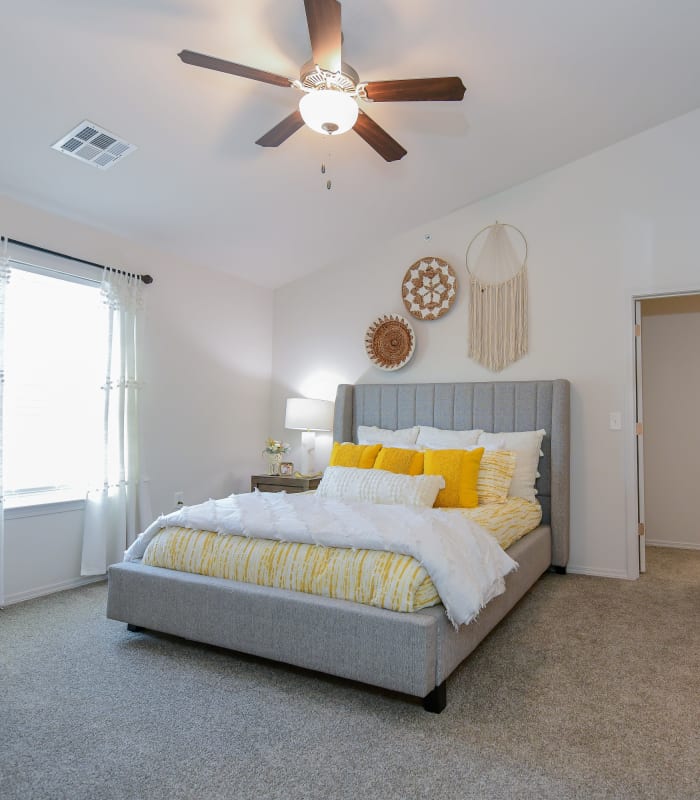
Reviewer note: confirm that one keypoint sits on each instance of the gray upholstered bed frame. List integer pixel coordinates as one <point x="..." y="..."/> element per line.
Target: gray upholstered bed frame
<point x="410" y="653"/>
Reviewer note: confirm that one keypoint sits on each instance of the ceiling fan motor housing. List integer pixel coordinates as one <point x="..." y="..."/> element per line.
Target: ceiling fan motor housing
<point x="314" y="77"/>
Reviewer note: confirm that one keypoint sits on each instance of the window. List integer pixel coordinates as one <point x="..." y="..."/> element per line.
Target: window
<point x="54" y="370"/>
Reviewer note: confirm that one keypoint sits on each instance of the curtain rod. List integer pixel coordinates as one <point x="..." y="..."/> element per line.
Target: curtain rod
<point x="142" y="278"/>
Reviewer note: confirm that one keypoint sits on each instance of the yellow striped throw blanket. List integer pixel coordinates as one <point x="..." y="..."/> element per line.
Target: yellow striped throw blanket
<point x="465" y="564"/>
<point x="384" y="580"/>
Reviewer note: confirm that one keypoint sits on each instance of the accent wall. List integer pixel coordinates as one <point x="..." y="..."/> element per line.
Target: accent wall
<point x="619" y="223"/>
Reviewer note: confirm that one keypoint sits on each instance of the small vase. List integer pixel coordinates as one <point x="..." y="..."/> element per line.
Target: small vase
<point x="273" y="463"/>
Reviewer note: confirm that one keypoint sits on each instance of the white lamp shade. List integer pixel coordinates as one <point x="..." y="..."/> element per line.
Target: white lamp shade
<point x="305" y="414"/>
<point x="328" y="111"/>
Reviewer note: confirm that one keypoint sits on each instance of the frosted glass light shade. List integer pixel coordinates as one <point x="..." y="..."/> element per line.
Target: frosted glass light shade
<point x="328" y="111"/>
<point x="304" y="414"/>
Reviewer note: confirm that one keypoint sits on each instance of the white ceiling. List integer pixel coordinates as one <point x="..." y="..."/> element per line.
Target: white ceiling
<point x="547" y="81"/>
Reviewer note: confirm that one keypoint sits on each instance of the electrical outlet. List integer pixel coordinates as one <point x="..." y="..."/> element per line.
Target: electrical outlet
<point x="179" y="498"/>
<point x="615" y="421"/>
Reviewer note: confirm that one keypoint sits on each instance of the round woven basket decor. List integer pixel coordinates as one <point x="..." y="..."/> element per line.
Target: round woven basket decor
<point x="429" y="288"/>
<point x="390" y="342"/>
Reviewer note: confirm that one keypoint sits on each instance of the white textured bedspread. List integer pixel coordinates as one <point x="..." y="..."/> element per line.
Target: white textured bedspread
<point x="465" y="563"/>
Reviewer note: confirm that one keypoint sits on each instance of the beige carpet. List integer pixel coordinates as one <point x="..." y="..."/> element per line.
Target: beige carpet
<point x="590" y="689"/>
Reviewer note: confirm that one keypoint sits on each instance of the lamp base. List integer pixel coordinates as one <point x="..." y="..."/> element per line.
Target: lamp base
<point x="308" y="448"/>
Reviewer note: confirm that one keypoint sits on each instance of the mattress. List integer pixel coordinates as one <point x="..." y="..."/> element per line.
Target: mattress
<point x="376" y="578"/>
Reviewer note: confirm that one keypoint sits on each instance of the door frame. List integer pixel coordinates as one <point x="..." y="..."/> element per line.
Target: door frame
<point x="634" y="445"/>
<point x="637" y="420"/>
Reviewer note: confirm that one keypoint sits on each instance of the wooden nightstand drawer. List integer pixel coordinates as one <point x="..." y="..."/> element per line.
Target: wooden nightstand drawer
<point x="282" y="483"/>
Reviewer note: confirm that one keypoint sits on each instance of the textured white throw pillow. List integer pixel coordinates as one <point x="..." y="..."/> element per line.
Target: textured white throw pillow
<point x="495" y="444"/>
<point x="353" y="485"/>
<point x="440" y="439"/>
<point x="527" y="448"/>
<point x="371" y="434"/>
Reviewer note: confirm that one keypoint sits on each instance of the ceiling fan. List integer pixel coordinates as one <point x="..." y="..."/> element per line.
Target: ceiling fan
<point x="331" y="87"/>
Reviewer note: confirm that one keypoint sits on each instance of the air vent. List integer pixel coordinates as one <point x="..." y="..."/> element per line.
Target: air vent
<point x="94" y="145"/>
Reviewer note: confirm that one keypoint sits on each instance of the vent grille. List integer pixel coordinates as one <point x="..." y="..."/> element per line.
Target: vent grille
<point x="86" y="133"/>
<point x="94" y="145"/>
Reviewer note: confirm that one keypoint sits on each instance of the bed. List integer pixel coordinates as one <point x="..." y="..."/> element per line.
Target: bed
<point x="412" y="653"/>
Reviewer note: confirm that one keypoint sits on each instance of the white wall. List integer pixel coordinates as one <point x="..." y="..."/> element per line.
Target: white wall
<point x="207" y="359"/>
<point x="616" y="224"/>
<point x="670" y="391"/>
<point x="619" y="222"/>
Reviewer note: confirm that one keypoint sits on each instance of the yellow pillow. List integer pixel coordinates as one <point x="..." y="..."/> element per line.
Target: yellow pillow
<point x="495" y="474"/>
<point x="354" y="455"/>
<point x="460" y="468"/>
<point x="396" y="459"/>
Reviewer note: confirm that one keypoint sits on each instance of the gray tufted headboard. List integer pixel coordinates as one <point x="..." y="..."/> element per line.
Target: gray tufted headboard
<point x="493" y="406"/>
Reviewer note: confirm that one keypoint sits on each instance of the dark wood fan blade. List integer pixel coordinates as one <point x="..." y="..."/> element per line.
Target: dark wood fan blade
<point x="375" y="136"/>
<point x="416" y="89"/>
<point x="282" y="131"/>
<point x="323" y="18"/>
<point x="218" y="64"/>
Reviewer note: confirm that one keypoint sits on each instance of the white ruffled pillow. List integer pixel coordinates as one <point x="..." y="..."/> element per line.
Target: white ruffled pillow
<point x="527" y="448"/>
<point x="353" y="485"/>
<point x="371" y="434"/>
<point x="441" y="439"/>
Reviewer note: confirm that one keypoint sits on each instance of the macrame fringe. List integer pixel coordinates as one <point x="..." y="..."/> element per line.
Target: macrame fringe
<point x="498" y="321"/>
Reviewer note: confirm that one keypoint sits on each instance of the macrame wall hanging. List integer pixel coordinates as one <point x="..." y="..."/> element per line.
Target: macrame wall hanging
<point x="497" y="297"/>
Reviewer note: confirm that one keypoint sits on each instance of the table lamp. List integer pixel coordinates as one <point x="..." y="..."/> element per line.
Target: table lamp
<point x="307" y="415"/>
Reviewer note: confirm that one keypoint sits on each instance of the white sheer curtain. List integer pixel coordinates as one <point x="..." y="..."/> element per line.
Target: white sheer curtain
<point x="117" y="511"/>
<point x="4" y="278"/>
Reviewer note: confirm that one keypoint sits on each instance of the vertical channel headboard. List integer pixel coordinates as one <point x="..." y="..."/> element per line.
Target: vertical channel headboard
<point x="493" y="406"/>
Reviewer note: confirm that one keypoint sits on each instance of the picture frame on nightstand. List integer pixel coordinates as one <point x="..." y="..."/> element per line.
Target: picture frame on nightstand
<point x="287" y="468"/>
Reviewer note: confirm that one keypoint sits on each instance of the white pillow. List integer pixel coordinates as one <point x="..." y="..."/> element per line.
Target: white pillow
<point x="371" y="434"/>
<point x="439" y="439"/>
<point x="496" y="444"/>
<point x="527" y="448"/>
<point x="354" y="485"/>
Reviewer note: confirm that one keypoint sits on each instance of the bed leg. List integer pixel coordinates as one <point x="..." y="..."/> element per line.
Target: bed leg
<point x="558" y="570"/>
<point x="436" y="701"/>
<point x="133" y="628"/>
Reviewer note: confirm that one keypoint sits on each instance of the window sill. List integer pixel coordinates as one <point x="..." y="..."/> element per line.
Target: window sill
<point x="34" y="505"/>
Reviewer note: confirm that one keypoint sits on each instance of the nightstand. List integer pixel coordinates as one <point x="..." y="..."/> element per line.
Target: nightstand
<point x="282" y="483"/>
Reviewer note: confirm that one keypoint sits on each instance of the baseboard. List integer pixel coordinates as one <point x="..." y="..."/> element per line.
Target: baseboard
<point x="598" y="572"/>
<point x="41" y="591"/>
<point x="679" y="545"/>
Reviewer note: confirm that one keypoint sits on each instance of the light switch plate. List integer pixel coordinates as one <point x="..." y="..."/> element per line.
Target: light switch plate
<point x="615" y="420"/>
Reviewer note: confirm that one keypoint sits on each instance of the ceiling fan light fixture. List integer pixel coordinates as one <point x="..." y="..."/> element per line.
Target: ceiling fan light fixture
<point x="329" y="111"/>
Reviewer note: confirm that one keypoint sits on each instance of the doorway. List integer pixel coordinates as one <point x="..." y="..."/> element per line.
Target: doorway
<point x="668" y="402"/>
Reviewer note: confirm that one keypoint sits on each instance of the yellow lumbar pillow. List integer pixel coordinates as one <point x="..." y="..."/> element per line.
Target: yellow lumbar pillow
<point x="403" y="462"/>
<point x="495" y="475"/>
<point x="460" y="468"/>
<point x="354" y="455"/>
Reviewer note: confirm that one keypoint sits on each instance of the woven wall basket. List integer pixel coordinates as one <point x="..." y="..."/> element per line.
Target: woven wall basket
<point x="429" y="288"/>
<point x="390" y="342"/>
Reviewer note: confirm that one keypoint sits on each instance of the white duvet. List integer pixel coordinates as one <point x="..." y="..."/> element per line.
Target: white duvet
<point x="465" y="563"/>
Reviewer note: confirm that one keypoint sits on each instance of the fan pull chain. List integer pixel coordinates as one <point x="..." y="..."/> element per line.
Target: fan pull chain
<point x="324" y="170"/>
